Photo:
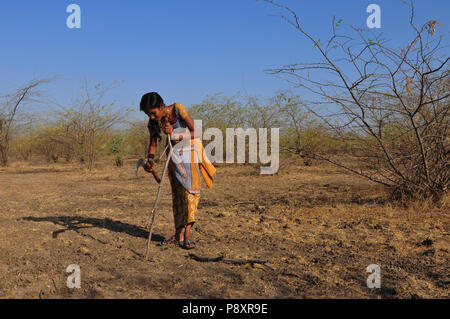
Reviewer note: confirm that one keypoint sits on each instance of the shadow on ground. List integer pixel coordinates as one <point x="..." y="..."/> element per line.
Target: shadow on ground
<point x="76" y="223"/>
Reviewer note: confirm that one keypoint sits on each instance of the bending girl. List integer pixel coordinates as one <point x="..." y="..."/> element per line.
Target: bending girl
<point x="186" y="164"/>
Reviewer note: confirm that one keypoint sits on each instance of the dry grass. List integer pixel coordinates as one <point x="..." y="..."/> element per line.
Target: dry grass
<point x="317" y="226"/>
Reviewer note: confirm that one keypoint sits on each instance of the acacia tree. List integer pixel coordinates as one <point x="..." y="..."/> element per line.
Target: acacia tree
<point x="83" y="126"/>
<point x="137" y="138"/>
<point x="219" y="111"/>
<point x="9" y="109"/>
<point x="391" y="103"/>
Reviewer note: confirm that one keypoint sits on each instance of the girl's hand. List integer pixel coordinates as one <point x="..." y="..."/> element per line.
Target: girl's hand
<point x="167" y="128"/>
<point x="176" y="137"/>
<point x="149" y="165"/>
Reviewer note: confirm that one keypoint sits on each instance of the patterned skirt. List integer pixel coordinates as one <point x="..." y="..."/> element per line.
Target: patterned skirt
<point x="184" y="204"/>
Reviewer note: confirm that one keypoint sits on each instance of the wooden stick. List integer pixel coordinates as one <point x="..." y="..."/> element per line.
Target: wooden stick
<point x="141" y="163"/>
<point x="231" y="261"/>
<point x="158" y="195"/>
<point x="205" y="259"/>
<point x="155" y="175"/>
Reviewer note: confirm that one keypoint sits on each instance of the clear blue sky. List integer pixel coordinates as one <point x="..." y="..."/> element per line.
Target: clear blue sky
<point x="183" y="49"/>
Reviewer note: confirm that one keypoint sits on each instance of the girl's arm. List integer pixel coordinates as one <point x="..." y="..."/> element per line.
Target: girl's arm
<point x="152" y="147"/>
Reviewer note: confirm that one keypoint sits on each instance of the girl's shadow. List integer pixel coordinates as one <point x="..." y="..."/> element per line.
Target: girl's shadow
<point x="76" y="223"/>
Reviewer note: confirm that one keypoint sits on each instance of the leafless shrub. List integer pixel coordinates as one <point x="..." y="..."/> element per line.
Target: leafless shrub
<point x="10" y="105"/>
<point x="83" y="126"/>
<point x="389" y="104"/>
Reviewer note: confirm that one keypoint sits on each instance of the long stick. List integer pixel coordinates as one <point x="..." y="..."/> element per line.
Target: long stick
<point x="231" y="261"/>
<point x="153" y="213"/>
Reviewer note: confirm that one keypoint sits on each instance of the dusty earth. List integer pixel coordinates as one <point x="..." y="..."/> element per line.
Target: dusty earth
<point x="318" y="227"/>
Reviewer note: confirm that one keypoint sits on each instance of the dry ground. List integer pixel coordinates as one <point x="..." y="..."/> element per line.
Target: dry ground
<point x="317" y="226"/>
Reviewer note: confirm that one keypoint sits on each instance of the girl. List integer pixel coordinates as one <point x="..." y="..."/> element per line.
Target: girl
<point x="186" y="164"/>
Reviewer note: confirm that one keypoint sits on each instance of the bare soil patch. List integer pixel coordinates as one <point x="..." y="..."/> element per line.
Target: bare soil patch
<point x="318" y="227"/>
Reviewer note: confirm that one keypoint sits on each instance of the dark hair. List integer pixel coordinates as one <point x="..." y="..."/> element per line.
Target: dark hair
<point x="151" y="101"/>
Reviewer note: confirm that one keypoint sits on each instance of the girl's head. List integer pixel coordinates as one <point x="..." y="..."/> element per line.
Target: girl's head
<point x="152" y="104"/>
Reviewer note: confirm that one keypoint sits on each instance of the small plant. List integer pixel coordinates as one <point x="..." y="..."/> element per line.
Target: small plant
<point x="115" y="146"/>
